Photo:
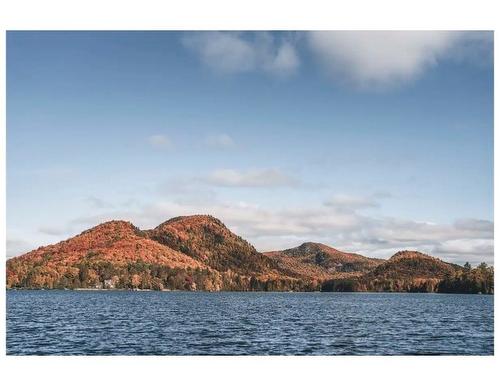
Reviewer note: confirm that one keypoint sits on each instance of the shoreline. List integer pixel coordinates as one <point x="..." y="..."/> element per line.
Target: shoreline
<point x="168" y="290"/>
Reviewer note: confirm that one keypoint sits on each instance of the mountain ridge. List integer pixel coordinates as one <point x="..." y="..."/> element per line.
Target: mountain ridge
<point x="199" y="252"/>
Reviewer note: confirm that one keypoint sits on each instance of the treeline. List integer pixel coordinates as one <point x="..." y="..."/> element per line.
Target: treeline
<point x="381" y="285"/>
<point x="469" y="280"/>
<point x="466" y="280"/>
<point x="96" y="273"/>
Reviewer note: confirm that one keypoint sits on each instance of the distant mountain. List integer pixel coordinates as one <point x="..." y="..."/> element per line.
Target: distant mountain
<point x="200" y="253"/>
<point x="320" y="260"/>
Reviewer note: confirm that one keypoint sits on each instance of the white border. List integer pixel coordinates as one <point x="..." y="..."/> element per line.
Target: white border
<point x="249" y="14"/>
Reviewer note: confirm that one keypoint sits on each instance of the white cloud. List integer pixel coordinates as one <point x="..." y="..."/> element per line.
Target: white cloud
<point x="159" y="141"/>
<point x="219" y="141"/>
<point x="97" y="202"/>
<point x="251" y="178"/>
<point x="381" y="58"/>
<point x="472" y="224"/>
<point x="285" y="60"/>
<point x="349" y="202"/>
<point x="231" y="52"/>
<point x="367" y="59"/>
<point x="477" y="248"/>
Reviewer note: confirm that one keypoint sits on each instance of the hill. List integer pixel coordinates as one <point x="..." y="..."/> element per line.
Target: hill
<point x="406" y="271"/>
<point x="412" y="265"/>
<point x="108" y="253"/>
<point x="209" y="241"/>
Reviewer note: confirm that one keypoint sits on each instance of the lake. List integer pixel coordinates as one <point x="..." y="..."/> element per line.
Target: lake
<point x="247" y="323"/>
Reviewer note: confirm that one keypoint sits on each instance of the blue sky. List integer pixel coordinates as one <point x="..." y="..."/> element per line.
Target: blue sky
<point x="368" y="141"/>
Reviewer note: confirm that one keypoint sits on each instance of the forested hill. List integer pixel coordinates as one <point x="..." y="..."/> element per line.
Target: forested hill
<point x="200" y="253"/>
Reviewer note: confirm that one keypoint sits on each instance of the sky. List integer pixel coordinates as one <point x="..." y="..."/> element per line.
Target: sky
<point x="371" y="142"/>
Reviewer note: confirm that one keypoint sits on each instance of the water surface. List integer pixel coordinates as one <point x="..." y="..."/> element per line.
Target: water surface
<point x="247" y="323"/>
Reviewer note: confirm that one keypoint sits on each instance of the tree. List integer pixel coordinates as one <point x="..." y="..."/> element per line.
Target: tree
<point x="483" y="266"/>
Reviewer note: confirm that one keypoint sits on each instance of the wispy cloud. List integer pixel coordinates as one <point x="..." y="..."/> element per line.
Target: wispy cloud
<point x="349" y="202"/>
<point x="232" y="52"/>
<point x="160" y="141"/>
<point x="53" y="230"/>
<point x="257" y="178"/>
<point x="97" y="202"/>
<point x="472" y="250"/>
<point x="219" y="141"/>
<point x="16" y="247"/>
<point x="53" y="172"/>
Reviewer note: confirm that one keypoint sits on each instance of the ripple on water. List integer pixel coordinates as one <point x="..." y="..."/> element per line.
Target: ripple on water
<point x="187" y="323"/>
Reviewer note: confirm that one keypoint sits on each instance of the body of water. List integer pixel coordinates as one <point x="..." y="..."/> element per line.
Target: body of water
<point x="247" y="323"/>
